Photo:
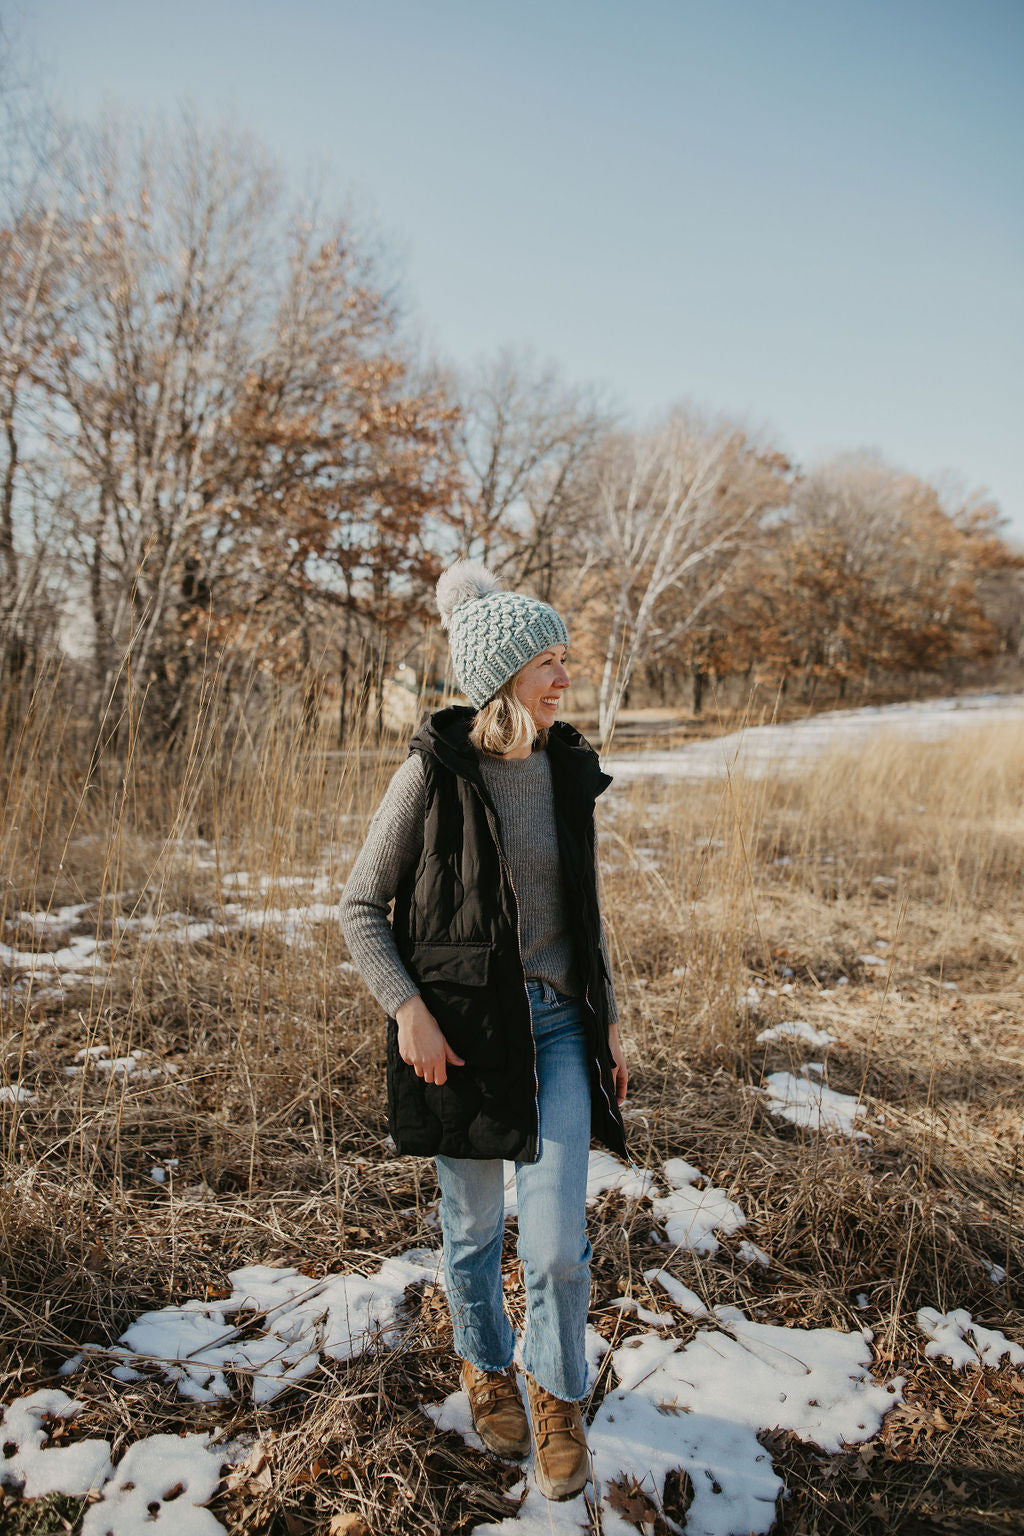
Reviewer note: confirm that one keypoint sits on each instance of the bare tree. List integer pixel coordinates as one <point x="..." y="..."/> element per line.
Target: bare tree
<point x="248" y="445"/>
<point x="666" y="504"/>
<point x="524" y="441"/>
<point x="31" y="263"/>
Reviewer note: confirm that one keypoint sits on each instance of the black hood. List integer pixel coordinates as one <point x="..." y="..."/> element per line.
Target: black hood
<point x="445" y="735"/>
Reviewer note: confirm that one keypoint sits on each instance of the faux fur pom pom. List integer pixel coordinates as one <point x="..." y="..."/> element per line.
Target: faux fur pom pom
<point x="462" y="583"/>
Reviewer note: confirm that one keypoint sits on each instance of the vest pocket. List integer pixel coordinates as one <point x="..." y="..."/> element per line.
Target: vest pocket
<point x="460" y="964"/>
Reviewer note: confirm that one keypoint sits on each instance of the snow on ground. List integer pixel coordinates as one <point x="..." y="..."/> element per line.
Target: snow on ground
<point x="760" y="749"/>
<point x="806" y="1101"/>
<point x="29" y="1466"/>
<point x="48" y="922"/>
<point x="692" y="1214"/>
<point x="165" y="1479"/>
<point x="197" y="1343"/>
<point x="84" y="955"/>
<point x="796" y="1029"/>
<point x="698" y="1405"/>
<point x="15" y="1093"/>
<point x="97" y="1058"/>
<point x="688" y="1301"/>
<point x="957" y="1338"/>
<point x="81" y="956"/>
<point x="167" y="1476"/>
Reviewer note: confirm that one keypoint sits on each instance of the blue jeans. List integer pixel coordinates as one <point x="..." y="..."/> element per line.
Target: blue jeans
<point x="553" y="1243"/>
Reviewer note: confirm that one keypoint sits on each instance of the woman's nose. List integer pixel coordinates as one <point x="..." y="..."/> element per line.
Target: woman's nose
<point x="562" y="678"/>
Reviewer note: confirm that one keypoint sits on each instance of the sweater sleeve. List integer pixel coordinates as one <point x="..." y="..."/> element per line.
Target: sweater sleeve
<point x="609" y="987"/>
<point x="393" y="843"/>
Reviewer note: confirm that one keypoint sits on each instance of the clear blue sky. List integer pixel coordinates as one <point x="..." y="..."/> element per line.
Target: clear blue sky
<point x="804" y="212"/>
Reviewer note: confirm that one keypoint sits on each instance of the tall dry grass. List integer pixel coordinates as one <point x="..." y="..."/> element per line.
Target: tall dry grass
<point x="714" y="893"/>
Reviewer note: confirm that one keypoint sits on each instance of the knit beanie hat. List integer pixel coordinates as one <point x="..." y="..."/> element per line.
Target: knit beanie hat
<point x="491" y="632"/>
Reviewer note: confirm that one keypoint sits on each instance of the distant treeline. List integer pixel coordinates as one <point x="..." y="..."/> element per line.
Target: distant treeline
<point x="220" y="457"/>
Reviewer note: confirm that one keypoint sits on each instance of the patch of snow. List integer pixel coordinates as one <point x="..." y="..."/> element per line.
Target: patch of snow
<point x="995" y="1272"/>
<point x="628" y="1304"/>
<point x="750" y="1253"/>
<point x="796" y="1029"/>
<point x="293" y="922"/>
<point x="812" y="1105"/>
<point x="958" y="1339"/>
<point x="869" y="960"/>
<point x="81" y="955"/>
<point x="99" y="1059"/>
<point x="793" y="747"/>
<point x="455" y="1414"/>
<point x="681" y="1294"/>
<point x="48" y="922"/>
<point x="164" y="1479"/>
<point x="692" y="1215"/>
<point x="34" y="1468"/>
<point x="15" y="1093"/>
<point x="196" y="1344"/>
<point x="595" y="1348"/>
<point x="605" y="1172"/>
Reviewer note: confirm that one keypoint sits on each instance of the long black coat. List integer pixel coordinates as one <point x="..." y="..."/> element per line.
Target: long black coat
<point x="456" y="925"/>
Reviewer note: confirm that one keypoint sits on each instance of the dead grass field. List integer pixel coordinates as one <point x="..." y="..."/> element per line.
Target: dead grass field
<point x="257" y="1090"/>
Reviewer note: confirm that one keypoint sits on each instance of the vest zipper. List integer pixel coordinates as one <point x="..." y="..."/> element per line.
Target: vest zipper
<point x="597" y="1063"/>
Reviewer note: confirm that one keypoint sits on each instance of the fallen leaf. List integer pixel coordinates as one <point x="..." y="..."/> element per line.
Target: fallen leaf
<point x="628" y="1499"/>
<point x="96" y="1259"/>
<point x="254" y="1469"/>
<point x="349" y="1525"/>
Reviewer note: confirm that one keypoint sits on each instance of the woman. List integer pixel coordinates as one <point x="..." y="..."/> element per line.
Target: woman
<point x="503" y="1039"/>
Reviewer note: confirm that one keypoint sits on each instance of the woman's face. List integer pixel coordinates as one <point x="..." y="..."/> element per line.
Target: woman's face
<point x="541" y="683"/>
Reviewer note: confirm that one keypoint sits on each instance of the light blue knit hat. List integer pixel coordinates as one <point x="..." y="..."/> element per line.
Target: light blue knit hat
<point x="491" y="632"/>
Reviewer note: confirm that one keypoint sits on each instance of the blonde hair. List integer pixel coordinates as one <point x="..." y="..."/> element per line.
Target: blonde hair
<point x="504" y="723"/>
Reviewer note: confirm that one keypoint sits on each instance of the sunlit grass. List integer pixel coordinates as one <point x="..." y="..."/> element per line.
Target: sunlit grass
<point x="730" y="905"/>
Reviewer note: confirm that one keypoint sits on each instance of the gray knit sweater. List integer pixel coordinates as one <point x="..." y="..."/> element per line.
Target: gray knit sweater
<point x="522" y="795"/>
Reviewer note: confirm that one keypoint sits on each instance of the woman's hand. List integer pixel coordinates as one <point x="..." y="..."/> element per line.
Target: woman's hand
<point x="421" y="1044"/>
<point x="620" y="1072"/>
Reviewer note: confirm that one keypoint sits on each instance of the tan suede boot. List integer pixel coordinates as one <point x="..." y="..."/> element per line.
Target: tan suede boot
<point x="498" y="1413"/>
<point x="561" y="1462"/>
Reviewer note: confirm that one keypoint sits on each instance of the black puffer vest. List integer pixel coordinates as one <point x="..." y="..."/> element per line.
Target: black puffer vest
<point x="456" y="925"/>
